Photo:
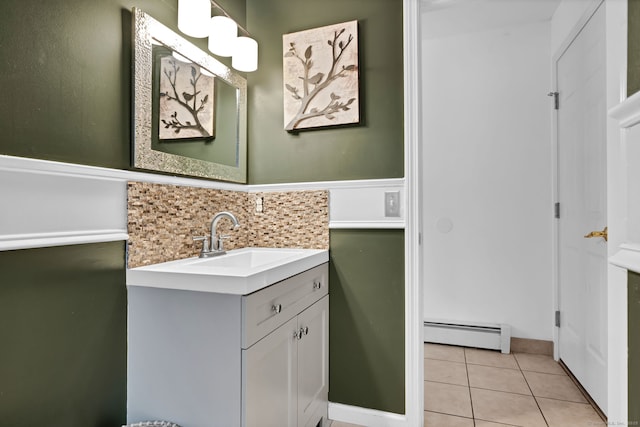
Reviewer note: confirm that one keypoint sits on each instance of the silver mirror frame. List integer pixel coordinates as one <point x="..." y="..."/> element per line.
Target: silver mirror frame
<point x="146" y="28"/>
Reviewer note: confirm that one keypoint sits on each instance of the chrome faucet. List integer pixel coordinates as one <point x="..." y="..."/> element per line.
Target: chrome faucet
<point x="217" y="240"/>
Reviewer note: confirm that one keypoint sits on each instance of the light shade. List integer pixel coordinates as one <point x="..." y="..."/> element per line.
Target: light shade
<point x="193" y="17"/>
<point x="223" y="32"/>
<point x="245" y="56"/>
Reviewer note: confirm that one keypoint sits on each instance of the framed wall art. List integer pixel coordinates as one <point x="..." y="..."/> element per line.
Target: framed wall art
<point x="320" y="74"/>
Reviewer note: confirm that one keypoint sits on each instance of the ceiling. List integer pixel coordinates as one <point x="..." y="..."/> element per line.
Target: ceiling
<point x="442" y="18"/>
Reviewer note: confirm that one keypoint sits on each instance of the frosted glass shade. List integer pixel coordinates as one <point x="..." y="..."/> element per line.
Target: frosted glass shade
<point x="223" y="32"/>
<point x="245" y="57"/>
<point x="193" y="17"/>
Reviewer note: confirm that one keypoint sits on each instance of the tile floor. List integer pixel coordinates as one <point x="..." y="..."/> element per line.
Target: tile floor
<point x="481" y="388"/>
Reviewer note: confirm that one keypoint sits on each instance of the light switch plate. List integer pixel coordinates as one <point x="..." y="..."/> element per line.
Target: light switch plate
<point x="392" y="204"/>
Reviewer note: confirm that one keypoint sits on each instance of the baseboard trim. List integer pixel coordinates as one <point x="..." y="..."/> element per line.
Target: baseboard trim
<point x="364" y="416"/>
<point x="526" y="345"/>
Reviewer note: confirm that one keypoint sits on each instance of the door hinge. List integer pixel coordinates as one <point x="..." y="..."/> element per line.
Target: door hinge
<point x="556" y="210"/>
<point x="557" y="318"/>
<point x="556" y="99"/>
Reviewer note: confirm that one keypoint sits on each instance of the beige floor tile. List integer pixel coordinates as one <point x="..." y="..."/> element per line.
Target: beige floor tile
<point x="445" y="372"/>
<point x="480" y="423"/>
<point x="341" y="424"/>
<point x="490" y="358"/>
<point x="447" y="399"/>
<point x="433" y="419"/>
<point x="444" y="352"/>
<point x="554" y="387"/>
<point x="538" y="363"/>
<point x="499" y="379"/>
<point x="559" y="413"/>
<point x="506" y="408"/>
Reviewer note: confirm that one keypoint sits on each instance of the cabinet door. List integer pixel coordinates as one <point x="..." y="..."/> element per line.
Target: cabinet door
<point x="270" y="379"/>
<point x="313" y="363"/>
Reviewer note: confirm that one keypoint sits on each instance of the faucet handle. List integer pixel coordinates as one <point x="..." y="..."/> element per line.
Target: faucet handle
<point x="205" y="243"/>
<point x="221" y="239"/>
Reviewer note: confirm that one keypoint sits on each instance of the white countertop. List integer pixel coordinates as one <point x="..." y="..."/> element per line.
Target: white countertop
<point x="238" y="272"/>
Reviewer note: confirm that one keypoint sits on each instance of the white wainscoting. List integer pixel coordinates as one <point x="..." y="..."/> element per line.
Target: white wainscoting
<point x="353" y="204"/>
<point x="42" y="207"/>
<point x="46" y="203"/>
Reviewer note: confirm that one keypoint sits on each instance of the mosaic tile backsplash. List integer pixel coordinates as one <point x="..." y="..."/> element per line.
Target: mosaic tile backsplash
<point x="163" y="219"/>
<point x="297" y="219"/>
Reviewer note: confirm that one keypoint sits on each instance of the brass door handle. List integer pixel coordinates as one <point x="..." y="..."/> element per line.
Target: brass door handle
<point x="604" y="234"/>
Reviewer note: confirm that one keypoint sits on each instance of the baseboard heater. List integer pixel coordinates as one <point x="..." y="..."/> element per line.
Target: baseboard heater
<point x="468" y="334"/>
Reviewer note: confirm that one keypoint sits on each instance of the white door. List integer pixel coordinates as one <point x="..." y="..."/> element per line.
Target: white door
<point x="581" y="82"/>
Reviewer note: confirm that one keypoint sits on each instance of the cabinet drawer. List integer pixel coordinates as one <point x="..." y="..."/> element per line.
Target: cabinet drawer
<point x="265" y="310"/>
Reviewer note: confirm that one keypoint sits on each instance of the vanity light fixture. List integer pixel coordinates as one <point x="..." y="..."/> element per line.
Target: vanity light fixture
<point x="245" y="55"/>
<point x="224" y="41"/>
<point x="193" y="17"/>
<point x="223" y="32"/>
<point x="195" y="20"/>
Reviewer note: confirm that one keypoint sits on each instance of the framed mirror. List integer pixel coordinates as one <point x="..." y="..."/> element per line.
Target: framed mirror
<point x="190" y="110"/>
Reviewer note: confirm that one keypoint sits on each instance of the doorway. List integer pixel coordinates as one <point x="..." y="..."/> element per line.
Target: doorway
<point x="486" y="165"/>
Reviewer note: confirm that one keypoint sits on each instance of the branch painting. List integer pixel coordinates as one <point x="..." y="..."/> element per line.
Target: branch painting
<point x="186" y="102"/>
<point x="320" y="69"/>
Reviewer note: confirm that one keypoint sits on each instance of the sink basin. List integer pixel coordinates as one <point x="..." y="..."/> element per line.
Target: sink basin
<point x="238" y="272"/>
<point x="244" y="259"/>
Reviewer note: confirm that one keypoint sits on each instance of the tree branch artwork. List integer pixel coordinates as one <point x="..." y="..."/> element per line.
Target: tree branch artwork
<point x="321" y="77"/>
<point x="186" y="101"/>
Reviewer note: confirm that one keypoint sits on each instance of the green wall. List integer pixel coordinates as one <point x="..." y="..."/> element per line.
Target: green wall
<point x="373" y="149"/>
<point x="366" y="320"/>
<point x="633" y="48"/>
<point x="633" y="301"/>
<point x="63" y="334"/>
<point x="66" y="77"/>
<point x="66" y="69"/>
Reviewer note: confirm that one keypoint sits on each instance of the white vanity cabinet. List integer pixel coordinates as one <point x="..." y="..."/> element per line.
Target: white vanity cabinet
<point x="204" y="359"/>
<point x="286" y="372"/>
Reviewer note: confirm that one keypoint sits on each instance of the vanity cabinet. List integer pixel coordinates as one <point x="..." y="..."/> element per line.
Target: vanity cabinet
<point x="286" y="372"/>
<point x="203" y="359"/>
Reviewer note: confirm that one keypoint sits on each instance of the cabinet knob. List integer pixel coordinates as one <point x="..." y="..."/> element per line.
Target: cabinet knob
<point x="305" y="330"/>
<point x="317" y="284"/>
<point x="277" y="308"/>
<point x="297" y="334"/>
